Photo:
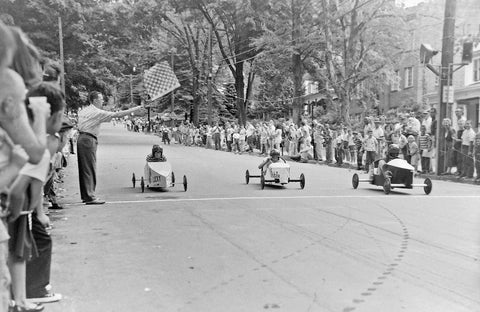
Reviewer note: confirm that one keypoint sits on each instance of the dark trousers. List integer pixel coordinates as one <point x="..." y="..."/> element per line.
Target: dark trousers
<point x="216" y="141"/>
<point x="359" y="158"/>
<point x="425" y="164"/>
<point x="87" y="164"/>
<point x="38" y="269"/>
<point x="370" y="158"/>
<point x="467" y="163"/>
<point x="328" y="152"/>
<point x="458" y="158"/>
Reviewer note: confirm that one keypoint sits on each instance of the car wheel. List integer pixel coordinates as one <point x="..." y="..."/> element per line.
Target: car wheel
<point x="355" y="181"/>
<point x="387" y="186"/>
<point x="302" y="181"/>
<point x="185" y="183"/>
<point x="173" y="178"/>
<point x="247" y="176"/>
<point x="142" y="184"/>
<point x="133" y="180"/>
<point x="428" y="186"/>
<point x="262" y="181"/>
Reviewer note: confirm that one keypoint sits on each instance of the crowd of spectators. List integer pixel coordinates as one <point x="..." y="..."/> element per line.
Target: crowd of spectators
<point x="36" y="136"/>
<point x="359" y="145"/>
<point x="33" y="134"/>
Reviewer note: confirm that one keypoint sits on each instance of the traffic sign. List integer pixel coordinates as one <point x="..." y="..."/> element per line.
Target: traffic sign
<point x="447" y="95"/>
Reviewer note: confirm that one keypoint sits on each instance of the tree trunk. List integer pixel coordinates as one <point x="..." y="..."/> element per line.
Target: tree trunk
<point x="240" y="89"/>
<point x="194" y="118"/>
<point x="297" y="85"/>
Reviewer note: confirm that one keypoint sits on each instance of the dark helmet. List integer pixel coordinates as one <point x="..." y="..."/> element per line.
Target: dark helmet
<point x="393" y="151"/>
<point x="157" y="148"/>
<point x="274" y="152"/>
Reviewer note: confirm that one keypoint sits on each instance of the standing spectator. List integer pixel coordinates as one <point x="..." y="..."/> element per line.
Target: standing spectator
<point x="250" y="132"/>
<point x="468" y="139"/>
<point x="216" y="136"/>
<point x="327" y="143"/>
<point x="370" y="146"/>
<point x="351" y="147"/>
<point x="318" y="139"/>
<point x="90" y="119"/>
<point x="357" y="139"/>
<point x="450" y="134"/>
<point x="26" y="201"/>
<point x="236" y="140"/>
<point x="277" y="139"/>
<point x="425" y="146"/>
<point x="228" y="136"/>
<point x="477" y="156"/>
<point x="379" y="134"/>
<point x="413" y="152"/>
<point x="457" y="148"/>
<point x="427" y="122"/>
<point x="458" y="118"/>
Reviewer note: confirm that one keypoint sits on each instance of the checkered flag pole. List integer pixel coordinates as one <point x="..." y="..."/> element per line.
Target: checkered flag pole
<point x="160" y="80"/>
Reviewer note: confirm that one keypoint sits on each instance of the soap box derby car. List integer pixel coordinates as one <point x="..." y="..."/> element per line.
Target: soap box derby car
<point x="276" y="173"/>
<point x="399" y="174"/>
<point x="158" y="175"/>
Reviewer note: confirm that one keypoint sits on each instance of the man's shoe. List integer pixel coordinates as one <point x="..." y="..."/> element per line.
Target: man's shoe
<point x="49" y="297"/>
<point x="95" y="202"/>
<point x="56" y="206"/>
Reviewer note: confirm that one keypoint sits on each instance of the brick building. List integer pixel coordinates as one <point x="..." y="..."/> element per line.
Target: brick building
<point x="417" y="86"/>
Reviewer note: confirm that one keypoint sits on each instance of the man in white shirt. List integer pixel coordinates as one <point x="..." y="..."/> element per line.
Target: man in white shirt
<point x="89" y="120"/>
<point x="468" y="139"/>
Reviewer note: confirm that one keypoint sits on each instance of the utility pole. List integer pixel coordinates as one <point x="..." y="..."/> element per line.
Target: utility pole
<point x="445" y="78"/>
<point x="131" y="89"/>
<point x="62" y="59"/>
<point x="209" y="79"/>
<point x="173" y="92"/>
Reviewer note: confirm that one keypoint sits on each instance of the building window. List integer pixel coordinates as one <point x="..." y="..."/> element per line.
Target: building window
<point x="396" y="81"/>
<point x="408" y="77"/>
<point x="476" y="70"/>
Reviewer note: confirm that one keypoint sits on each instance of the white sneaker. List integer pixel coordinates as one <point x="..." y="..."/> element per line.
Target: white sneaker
<point x="49" y="297"/>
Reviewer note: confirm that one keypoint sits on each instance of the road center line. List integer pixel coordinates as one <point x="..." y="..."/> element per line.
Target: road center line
<point x="284" y="197"/>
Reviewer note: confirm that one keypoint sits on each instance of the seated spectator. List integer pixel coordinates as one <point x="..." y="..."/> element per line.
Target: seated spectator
<point x="156" y="155"/>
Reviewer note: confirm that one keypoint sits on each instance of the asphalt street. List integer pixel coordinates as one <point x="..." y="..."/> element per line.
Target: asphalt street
<point x="227" y="246"/>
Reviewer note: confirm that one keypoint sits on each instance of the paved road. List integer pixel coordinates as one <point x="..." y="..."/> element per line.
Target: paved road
<point x="227" y="246"/>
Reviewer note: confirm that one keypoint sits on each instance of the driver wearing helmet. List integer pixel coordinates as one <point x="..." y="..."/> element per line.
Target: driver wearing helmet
<point x="274" y="157"/>
<point x="156" y="155"/>
<point x="393" y="151"/>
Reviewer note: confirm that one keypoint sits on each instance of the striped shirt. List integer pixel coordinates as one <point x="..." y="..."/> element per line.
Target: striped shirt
<point x="90" y="118"/>
<point x="370" y="144"/>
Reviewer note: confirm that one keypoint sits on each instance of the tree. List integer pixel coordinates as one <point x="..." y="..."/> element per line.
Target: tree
<point x="363" y="39"/>
<point x="235" y="24"/>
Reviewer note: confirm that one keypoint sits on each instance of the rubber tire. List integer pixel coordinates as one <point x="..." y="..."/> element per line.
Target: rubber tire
<point x="355" y="181"/>
<point x="387" y="186"/>
<point x="262" y="181"/>
<point x="302" y="181"/>
<point x="428" y="188"/>
<point x="185" y="183"/>
<point x="247" y="177"/>
<point x="133" y="179"/>
<point x="173" y="178"/>
<point x="142" y="184"/>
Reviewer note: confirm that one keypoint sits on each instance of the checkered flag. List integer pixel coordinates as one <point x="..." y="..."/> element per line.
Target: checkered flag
<point x="160" y="80"/>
